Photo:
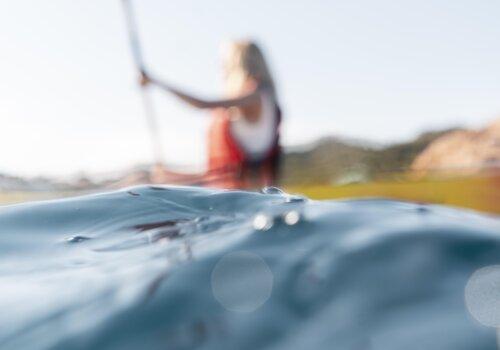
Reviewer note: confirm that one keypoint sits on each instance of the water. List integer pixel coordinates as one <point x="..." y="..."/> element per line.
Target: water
<point x="189" y="268"/>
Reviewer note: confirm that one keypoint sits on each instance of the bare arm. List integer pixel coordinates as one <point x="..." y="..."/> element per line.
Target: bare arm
<point x="252" y="97"/>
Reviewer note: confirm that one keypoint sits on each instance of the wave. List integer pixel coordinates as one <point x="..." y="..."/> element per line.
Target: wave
<point x="189" y="268"/>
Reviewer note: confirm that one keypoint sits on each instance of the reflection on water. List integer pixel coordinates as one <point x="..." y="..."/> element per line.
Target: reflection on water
<point x="185" y="268"/>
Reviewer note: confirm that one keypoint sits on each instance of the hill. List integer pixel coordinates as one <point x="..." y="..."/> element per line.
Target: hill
<point x="338" y="161"/>
<point x="464" y="151"/>
<point x="330" y="160"/>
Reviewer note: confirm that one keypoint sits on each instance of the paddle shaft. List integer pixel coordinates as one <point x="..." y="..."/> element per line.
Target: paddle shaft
<point x="147" y="101"/>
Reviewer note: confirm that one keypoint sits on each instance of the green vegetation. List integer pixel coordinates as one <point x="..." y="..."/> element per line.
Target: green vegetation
<point x="333" y="161"/>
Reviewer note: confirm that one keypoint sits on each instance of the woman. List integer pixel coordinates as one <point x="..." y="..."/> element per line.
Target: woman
<point x="243" y="143"/>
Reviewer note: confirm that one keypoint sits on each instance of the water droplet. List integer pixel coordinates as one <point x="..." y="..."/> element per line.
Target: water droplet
<point x="262" y="222"/>
<point x="422" y="209"/>
<point x="292" y="217"/>
<point x="199" y="219"/>
<point x="77" y="239"/>
<point x="295" y="199"/>
<point x="271" y="190"/>
<point x="158" y="188"/>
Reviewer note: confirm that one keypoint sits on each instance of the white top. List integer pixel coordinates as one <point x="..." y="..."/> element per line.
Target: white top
<point x="257" y="138"/>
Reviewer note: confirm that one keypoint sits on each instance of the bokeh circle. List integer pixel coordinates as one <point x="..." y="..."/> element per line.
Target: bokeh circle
<point x="482" y="295"/>
<point x="242" y="281"/>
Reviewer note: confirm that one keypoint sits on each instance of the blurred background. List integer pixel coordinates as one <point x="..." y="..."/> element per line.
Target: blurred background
<point x="380" y="98"/>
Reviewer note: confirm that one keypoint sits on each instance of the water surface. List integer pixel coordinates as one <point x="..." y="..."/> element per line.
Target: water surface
<point x="190" y="268"/>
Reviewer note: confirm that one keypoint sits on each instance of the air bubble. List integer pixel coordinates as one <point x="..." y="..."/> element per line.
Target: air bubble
<point x="271" y="190"/>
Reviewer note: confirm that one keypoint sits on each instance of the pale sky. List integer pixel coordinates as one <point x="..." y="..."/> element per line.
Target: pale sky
<point x="382" y="70"/>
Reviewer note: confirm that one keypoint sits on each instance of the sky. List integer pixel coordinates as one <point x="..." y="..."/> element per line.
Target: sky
<point x="381" y="70"/>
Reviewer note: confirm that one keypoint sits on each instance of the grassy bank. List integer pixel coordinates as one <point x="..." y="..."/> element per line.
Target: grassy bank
<point x="20" y="197"/>
<point x="479" y="193"/>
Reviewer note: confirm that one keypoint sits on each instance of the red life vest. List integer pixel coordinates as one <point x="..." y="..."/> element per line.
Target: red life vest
<point x="228" y="165"/>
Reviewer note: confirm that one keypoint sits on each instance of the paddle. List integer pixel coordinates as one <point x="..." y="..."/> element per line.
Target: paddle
<point x="149" y="110"/>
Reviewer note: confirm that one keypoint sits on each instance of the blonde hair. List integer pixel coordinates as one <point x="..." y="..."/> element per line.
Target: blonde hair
<point x="243" y="60"/>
